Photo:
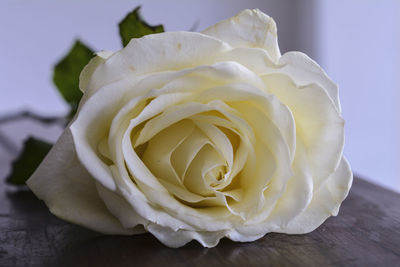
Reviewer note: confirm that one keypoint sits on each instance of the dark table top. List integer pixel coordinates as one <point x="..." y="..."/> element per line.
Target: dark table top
<point x="366" y="232"/>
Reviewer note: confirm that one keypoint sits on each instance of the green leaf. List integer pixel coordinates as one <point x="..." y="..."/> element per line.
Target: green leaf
<point x="67" y="71"/>
<point x="25" y="164"/>
<point x="133" y="26"/>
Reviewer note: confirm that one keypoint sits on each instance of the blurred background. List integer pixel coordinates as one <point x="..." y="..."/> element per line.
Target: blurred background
<point x="356" y="41"/>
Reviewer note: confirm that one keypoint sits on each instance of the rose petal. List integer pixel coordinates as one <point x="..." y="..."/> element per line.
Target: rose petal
<point x="169" y="116"/>
<point x="325" y="202"/>
<point x="318" y="123"/>
<point x="70" y="192"/>
<point x="298" y="192"/>
<point x="273" y="109"/>
<point x="279" y="173"/>
<point x="219" y="139"/>
<point x="295" y="199"/>
<point x="184" y="154"/>
<point x="121" y="209"/>
<point x="87" y="72"/>
<point x="241" y="152"/>
<point x="249" y="28"/>
<point x="194" y="200"/>
<point x="179" y="238"/>
<point x="255" y="59"/>
<point x="157" y="155"/>
<point x="91" y="126"/>
<point x="254" y="178"/>
<point x="303" y="70"/>
<point x="206" y="159"/>
<point x="158" y="52"/>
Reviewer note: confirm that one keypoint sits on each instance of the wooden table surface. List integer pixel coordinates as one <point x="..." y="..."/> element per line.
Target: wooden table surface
<point x="365" y="233"/>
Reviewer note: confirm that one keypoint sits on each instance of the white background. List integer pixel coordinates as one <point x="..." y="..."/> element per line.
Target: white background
<point x="357" y="42"/>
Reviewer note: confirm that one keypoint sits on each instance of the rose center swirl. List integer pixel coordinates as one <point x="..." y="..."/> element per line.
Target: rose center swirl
<point x="193" y="158"/>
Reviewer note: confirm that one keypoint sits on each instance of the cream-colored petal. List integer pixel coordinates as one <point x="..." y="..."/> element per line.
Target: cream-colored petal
<point x="214" y="119"/>
<point x="271" y="106"/>
<point x="297" y="195"/>
<point x="279" y="170"/>
<point x="204" y="160"/>
<point x="184" y="154"/>
<point x="86" y="74"/>
<point x="254" y="178"/>
<point x="103" y="149"/>
<point x="254" y="59"/>
<point x="195" y="200"/>
<point x="157" y="155"/>
<point x="70" y="192"/>
<point x="235" y="194"/>
<point x="303" y="70"/>
<point x="122" y="210"/>
<point x="219" y="139"/>
<point x="179" y="238"/>
<point x="325" y="202"/>
<point x="91" y="126"/>
<point x="249" y="28"/>
<point x="318" y="123"/>
<point x="170" y="116"/>
<point x="267" y="132"/>
<point x="242" y="150"/>
<point x="141" y="174"/>
<point x="143" y="206"/>
<point x="208" y="76"/>
<point x="159" y="52"/>
<point x="176" y="215"/>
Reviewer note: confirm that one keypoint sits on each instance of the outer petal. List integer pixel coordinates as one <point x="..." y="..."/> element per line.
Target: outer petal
<point x="303" y="70"/>
<point x="298" y="193"/>
<point x="249" y="28"/>
<point x="179" y="238"/>
<point x="325" y="202"/>
<point x="318" y="123"/>
<point x="87" y="72"/>
<point x="158" y="52"/>
<point x="70" y="192"/>
<point x="121" y="209"/>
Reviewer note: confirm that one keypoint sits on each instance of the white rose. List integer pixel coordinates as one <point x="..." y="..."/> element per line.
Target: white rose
<point x="201" y="136"/>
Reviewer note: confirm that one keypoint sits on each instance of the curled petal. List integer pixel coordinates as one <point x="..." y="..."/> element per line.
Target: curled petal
<point x="87" y="72"/>
<point x="181" y="237"/>
<point x="158" y="52"/>
<point x="303" y="70"/>
<point x="249" y="28"/>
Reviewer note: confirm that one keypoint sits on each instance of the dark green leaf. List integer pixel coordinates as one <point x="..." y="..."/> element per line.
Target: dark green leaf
<point x="133" y="26"/>
<point x="25" y="164"/>
<point x="66" y="73"/>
